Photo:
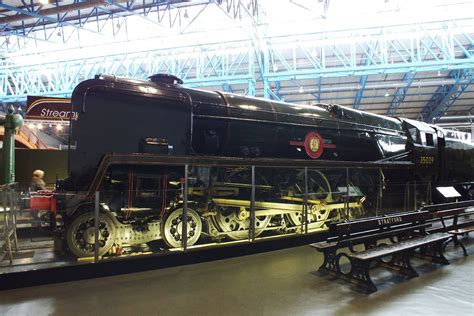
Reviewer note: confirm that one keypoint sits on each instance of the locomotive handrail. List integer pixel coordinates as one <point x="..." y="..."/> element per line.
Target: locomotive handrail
<point x="394" y="158"/>
<point x="145" y="158"/>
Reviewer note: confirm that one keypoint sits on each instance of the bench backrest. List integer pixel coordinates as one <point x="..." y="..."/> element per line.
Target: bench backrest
<point x="371" y="225"/>
<point x="449" y="213"/>
<point x="447" y="206"/>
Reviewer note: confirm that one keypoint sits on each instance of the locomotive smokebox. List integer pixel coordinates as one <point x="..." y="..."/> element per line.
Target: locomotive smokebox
<point x="135" y="111"/>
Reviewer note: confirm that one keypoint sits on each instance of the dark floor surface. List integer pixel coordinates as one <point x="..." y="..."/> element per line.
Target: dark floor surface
<point x="283" y="282"/>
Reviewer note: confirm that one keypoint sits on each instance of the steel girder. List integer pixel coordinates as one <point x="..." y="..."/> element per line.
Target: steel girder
<point x="260" y="59"/>
<point x="446" y="96"/>
<point x="46" y="25"/>
<point x="336" y="54"/>
<point x="92" y="16"/>
<point x="401" y="93"/>
<point x="197" y="65"/>
<point x="363" y="79"/>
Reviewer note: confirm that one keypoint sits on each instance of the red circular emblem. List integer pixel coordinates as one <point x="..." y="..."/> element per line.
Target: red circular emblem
<point x="313" y="145"/>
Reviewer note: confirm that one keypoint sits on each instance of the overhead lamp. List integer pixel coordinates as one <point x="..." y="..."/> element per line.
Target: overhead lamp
<point x="301" y="90"/>
<point x="39" y="126"/>
<point x="31" y="125"/>
<point x="185" y="14"/>
<point x="59" y="34"/>
<point x="387" y="94"/>
<point x="44" y="1"/>
<point x="59" y="127"/>
<point x="275" y="68"/>
<point x="439" y="73"/>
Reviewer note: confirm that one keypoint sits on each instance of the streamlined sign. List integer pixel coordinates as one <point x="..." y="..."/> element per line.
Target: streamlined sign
<point x="49" y="109"/>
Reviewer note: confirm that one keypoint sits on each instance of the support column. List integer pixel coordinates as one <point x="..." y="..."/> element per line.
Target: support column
<point x="472" y="132"/>
<point x="13" y="121"/>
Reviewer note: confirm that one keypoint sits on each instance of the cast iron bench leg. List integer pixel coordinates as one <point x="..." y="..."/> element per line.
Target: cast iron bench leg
<point x="456" y="242"/>
<point x="330" y="262"/>
<point x="434" y="251"/>
<point x="360" y="273"/>
<point x="401" y="263"/>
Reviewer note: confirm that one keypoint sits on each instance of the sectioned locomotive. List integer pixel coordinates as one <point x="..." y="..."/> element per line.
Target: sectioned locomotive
<point x="132" y="139"/>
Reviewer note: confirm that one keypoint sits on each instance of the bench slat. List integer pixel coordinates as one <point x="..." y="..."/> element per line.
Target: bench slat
<point x="324" y="245"/>
<point x="461" y="231"/>
<point x="386" y="250"/>
<point x="453" y="212"/>
<point x="374" y="235"/>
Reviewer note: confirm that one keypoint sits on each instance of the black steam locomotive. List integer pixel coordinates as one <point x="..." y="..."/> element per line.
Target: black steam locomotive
<point x="151" y="126"/>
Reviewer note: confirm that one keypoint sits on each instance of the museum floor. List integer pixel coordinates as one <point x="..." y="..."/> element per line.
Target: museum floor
<point x="283" y="282"/>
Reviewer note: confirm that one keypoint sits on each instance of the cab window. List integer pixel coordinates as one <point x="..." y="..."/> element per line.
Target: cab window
<point x="415" y="135"/>
<point x="430" y="140"/>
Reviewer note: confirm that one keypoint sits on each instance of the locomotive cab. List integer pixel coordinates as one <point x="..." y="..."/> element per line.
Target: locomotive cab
<point x="422" y="144"/>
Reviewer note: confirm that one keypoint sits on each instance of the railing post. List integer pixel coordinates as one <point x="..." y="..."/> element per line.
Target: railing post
<point x="184" y="233"/>
<point x="380" y="193"/>
<point x="13" y="216"/>
<point x="414" y="195"/>
<point x="96" y="227"/>
<point x="346" y="200"/>
<point x="305" y="202"/>
<point x="252" y="208"/>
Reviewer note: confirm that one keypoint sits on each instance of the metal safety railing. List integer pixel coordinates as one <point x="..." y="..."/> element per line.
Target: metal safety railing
<point x="9" y="207"/>
<point x="31" y="138"/>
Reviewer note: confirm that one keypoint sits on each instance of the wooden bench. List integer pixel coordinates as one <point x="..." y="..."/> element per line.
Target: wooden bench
<point x="389" y="241"/>
<point x="457" y="227"/>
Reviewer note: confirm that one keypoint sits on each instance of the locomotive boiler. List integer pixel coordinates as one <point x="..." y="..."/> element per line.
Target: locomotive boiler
<point x="142" y="200"/>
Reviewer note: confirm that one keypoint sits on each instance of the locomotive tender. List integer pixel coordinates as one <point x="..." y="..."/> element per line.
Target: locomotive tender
<point x="142" y="200"/>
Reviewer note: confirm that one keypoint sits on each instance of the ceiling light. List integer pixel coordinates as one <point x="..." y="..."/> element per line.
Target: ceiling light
<point x="275" y="68"/>
<point x="301" y="90"/>
<point x="39" y="126"/>
<point x="439" y="73"/>
<point x="185" y="14"/>
<point x="387" y="94"/>
<point x="44" y="1"/>
<point x="31" y="125"/>
<point x="59" y="127"/>
<point x="59" y="34"/>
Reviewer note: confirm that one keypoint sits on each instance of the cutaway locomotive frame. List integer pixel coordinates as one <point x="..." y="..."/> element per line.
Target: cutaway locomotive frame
<point x="215" y="200"/>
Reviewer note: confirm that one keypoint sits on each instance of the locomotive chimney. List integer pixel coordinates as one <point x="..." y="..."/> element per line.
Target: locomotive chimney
<point x="166" y="78"/>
